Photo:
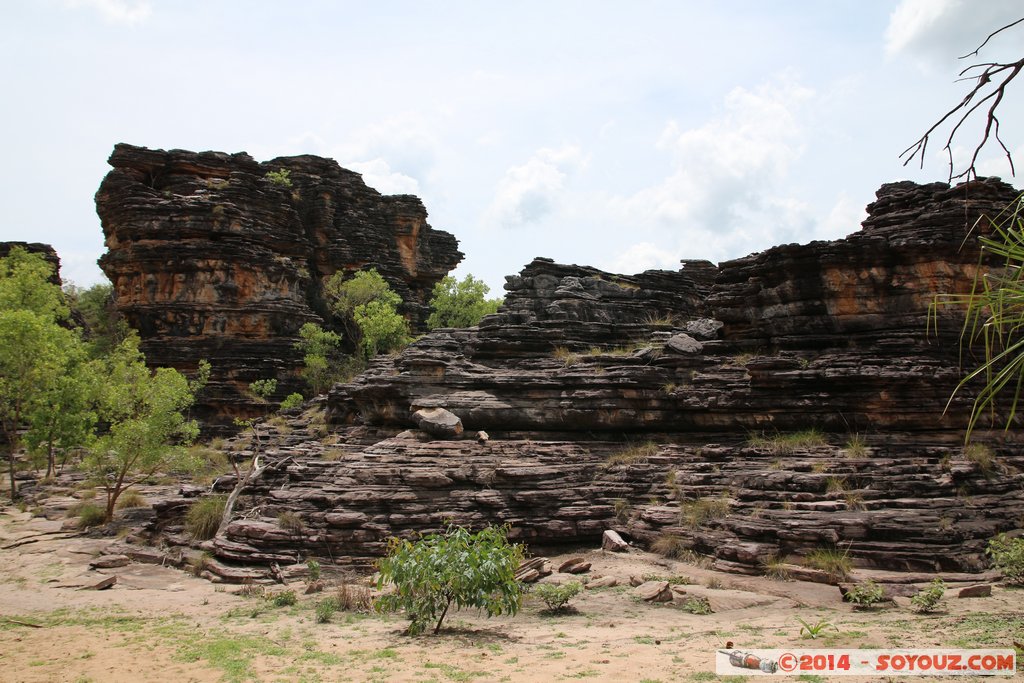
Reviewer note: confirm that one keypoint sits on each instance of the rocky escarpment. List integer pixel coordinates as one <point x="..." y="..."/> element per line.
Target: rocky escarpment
<point x="46" y="250"/>
<point x="213" y="259"/>
<point x="791" y="400"/>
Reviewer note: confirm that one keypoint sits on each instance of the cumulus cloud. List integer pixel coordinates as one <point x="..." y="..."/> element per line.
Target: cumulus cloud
<point x="117" y="11"/>
<point x="931" y="30"/>
<point x="528" y="193"/>
<point x="643" y="256"/>
<point x="405" y="144"/>
<point x="722" y="191"/>
<point x="379" y="175"/>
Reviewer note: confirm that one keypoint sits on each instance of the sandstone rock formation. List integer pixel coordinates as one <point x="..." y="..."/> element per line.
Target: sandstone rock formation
<point x="629" y="402"/>
<point x="211" y="258"/>
<point x="36" y="248"/>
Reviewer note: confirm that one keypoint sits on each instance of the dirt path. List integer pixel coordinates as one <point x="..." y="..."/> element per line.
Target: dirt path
<point x="160" y="624"/>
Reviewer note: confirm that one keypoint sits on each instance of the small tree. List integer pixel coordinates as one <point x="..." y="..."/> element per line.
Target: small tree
<point x="454" y="568"/>
<point x="368" y="302"/>
<point x="460" y="304"/>
<point x="382" y="329"/>
<point x="148" y="429"/>
<point x="321" y="357"/>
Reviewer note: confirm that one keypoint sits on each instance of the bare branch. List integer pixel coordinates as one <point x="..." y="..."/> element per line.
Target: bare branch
<point x="990" y="37"/>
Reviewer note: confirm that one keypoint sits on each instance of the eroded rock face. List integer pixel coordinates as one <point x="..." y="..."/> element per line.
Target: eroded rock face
<point x="212" y="259"/>
<point x="628" y="403"/>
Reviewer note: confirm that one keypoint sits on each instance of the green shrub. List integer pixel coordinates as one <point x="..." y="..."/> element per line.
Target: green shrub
<point x="928" y="598"/>
<point x="555" y="596"/>
<point x="91" y="515"/>
<point x="314" y="570"/>
<point x="284" y="599"/>
<point x="263" y="388"/>
<point x="866" y="594"/>
<point x="325" y="609"/>
<point x="1008" y="556"/>
<point x="454" y="568"/>
<point x="280" y="177"/>
<point x="293" y="400"/>
<point x="460" y="304"/>
<point x="697" y="605"/>
<point x="203" y="519"/>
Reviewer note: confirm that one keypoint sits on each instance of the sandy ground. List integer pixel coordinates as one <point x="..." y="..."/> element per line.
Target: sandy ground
<point x="162" y="624"/>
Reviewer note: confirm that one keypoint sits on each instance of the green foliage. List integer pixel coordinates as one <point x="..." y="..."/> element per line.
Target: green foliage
<point x="1008" y="556"/>
<point x="460" y="304"/>
<point x="995" y="317"/>
<point x="263" y="389"/>
<point x="982" y="456"/>
<point x="148" y="429"/>
<point x="314" y="570"/>
<point x="105" y="327"/>
<point x="927" y="599"/>
<point x="383" y="330"/>
<point x="555" y="596"/>
<point x="815" y="630"/>
<point x="865" y="594"/>
<point x="694" y="513"/>
<point x="285" y="598"/>
<point x="281" y="177"/>
<point x="367" y="300"/>
<point x="325" y="609"/>
<point x="131" y="499"/>
<point x="454" y="568"/>
<point x="697" y="605"/>
<point x="783" y="444"/>
<point x="321" y="357"/>
<point x="203" y="519"/>
<point x="44" y="374"/>
<point x="293" y="400"/>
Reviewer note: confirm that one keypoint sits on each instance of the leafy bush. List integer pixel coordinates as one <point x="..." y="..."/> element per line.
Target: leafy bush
<point x="1008" y="556"/>
<point x="555" y="596"/>
<point x="866" y="594"/>
<point x="203" y="519"/>
<point x="697" y="605"/>
<point x="321" y="357"/>
<point x="314" y="570"/>
<point x="284" y="599"/>
<point x="280" y="177"/>
<point x="290" y="401"/>
<point x="91" y="515"/>
<point x="454" y="568"/>
<point x="928" y="598"/>
<point x="263" y="388"/>
<point x="460" y="304"/>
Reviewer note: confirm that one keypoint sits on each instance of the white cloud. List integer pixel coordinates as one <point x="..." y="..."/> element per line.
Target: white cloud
<point x="643" y="256"/>
<point x="844" y="219"/>
<point x="931" y="30"/>
<point x="379" y="175"/>
<point x="528" y="193"/>
<point x="405" y="143"/>
<point x="117" y="11"/>
<point x="728" y="167"/>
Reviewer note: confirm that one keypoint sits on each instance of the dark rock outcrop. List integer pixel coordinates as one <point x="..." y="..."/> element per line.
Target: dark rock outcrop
<point x="210" y="258"/>
<point x="629" y="402"/>
<point x="46" y="250"/>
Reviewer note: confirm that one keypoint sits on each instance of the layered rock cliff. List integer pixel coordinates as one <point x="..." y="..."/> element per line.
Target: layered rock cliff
<point x="212" y="258"/>
<point x="665" y="405"/>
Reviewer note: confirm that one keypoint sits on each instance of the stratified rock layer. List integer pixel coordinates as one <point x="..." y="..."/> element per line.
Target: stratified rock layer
<point x="211" y="259"/>
<point x="629" y="402"/>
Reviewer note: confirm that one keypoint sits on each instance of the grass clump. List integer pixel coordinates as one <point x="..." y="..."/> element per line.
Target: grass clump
<point x="285" y="598"/>
<point x="91" y="515"/>
<point x="290" y="521"/>
<point x="982" y="456"/>
<point x="203" y="519"/>
<point x="834" y="562"/>
<point x="568" y="358"/>
<point x="774" y="567"/>
<point x="697" y="605"/>
<point x="557" y="597"/>
<point x="783" y="444"/>
<point x="131" y="499"/>
<point x="814" y="630"/>
<point x="325" y="609"/>
<point x="927" y="599"/>
<point x="694" y="513"/>
<point x="637" y="453"/>
<point x="353" y="598"/>
<point x="856" y="447"/>
<point x="670" y="546"/>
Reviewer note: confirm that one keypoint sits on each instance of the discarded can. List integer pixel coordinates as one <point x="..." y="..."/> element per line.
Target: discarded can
<point x="745" y="660"/>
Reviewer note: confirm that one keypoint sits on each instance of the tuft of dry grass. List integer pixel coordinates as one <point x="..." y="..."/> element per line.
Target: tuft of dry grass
<point x="694" y="513"/>
<point x="131" y="499"/>
<point x="633" y="454"/>
<point x="784" y="444"/>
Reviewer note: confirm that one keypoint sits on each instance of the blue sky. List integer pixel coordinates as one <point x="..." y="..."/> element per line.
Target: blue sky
<point x="620" y="135"/>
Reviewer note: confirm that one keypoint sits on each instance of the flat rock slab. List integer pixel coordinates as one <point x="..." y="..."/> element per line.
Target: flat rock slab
<point x="110" y="561"/>
<point x="611" y="540"/>
<point x="603" y="582"/>
<point x="574" y="565"/>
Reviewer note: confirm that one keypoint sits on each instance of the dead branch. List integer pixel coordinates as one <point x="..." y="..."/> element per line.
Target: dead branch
<point x="990" y="82"/>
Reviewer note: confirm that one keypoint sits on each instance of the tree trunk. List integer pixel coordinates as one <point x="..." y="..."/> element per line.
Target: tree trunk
<point x="14" y="487"/>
